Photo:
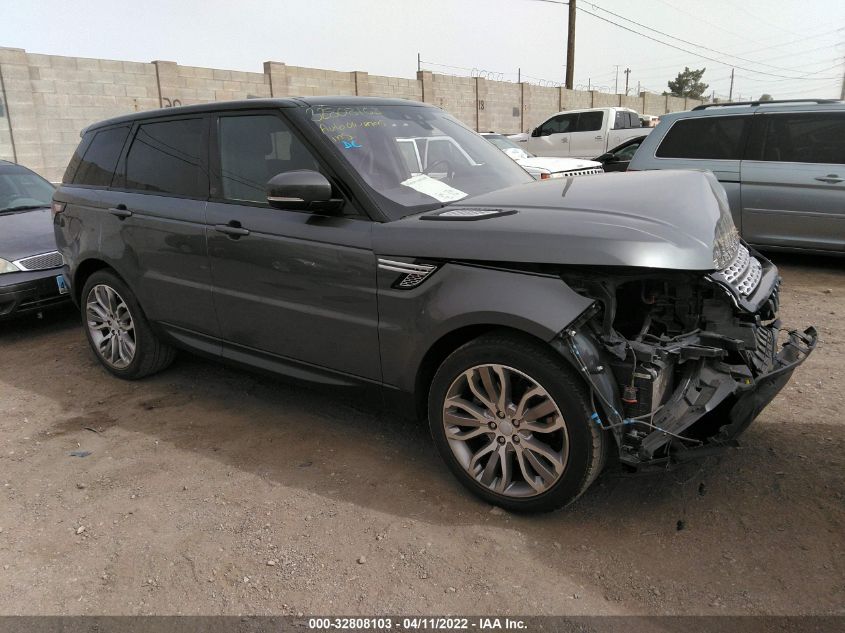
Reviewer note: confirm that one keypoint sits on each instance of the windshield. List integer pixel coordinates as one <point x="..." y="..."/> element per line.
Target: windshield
<point x="20" y="189"/>
<point x="508" y="146"/>
<point x="415" y="158"/>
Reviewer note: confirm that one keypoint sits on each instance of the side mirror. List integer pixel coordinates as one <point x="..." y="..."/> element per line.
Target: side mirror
<point x="301" y="190"/>
<point x="535" y="132"/>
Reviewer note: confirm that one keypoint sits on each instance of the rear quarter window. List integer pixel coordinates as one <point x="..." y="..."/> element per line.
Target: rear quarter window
<point x="807" y="137"/>
<point x="96" y="168"/>
<point x="713" y="138"/>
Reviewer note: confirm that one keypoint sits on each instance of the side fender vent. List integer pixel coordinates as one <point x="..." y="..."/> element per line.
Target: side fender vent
<point x="467" y="214"/>
<point x="410" y="275"/>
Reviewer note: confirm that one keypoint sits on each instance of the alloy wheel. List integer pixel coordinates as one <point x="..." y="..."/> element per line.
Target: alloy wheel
<point x="111" y="326"/>
<point x="505" y="430"/>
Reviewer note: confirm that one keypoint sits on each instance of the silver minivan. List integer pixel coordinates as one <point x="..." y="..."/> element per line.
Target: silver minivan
<point x="782" y="164"/>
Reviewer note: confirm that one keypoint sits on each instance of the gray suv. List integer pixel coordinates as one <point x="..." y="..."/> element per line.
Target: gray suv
<point x="782" y="164"/>
<point x="540" y="327"/>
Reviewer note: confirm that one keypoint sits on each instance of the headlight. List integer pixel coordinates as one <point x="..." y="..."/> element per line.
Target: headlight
<point x="726" y="239"/>
<point x="7" y="267"/>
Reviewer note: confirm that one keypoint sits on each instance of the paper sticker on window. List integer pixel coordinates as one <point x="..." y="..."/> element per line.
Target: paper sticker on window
<point x="434" y="188"/>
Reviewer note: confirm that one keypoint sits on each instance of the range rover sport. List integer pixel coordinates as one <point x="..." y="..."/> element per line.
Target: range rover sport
<point x="542" y="327"/>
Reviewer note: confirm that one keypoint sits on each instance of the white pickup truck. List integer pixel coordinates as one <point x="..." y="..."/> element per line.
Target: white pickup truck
<point x="582" y="133"/>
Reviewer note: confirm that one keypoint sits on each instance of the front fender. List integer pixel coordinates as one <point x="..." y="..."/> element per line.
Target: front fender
<point x="458" y="296"/>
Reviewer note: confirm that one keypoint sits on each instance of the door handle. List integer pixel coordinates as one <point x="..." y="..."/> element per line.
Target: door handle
<point x="599" y="137"/>
<point x="120" y="211"/>
<point x="233" y="229"/>
<point x="830" y="179"/>
<point x="564" y="140"/>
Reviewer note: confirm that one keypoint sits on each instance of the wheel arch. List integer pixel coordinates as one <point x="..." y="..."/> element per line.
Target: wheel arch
<point x="448" y="343"/>
<point x="84" y="270"/>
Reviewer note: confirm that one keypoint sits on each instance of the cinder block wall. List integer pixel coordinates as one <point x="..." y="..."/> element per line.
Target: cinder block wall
<point x="46" y="100"/>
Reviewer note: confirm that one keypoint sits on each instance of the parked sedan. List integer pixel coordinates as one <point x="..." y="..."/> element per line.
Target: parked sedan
<point x="30" y="265"/>
<point x="543" y="167"/>
<point x="620" y="156"/>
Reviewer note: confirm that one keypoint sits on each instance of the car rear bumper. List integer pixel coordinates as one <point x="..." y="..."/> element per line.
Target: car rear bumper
<point x="30" y="292"/>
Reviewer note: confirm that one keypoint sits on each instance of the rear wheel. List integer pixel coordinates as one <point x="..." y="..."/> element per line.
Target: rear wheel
<point x="512" y="421"/>
<point x="118" y="331"/>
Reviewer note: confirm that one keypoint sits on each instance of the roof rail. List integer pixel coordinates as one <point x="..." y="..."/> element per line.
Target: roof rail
<point x="704" y="106"/>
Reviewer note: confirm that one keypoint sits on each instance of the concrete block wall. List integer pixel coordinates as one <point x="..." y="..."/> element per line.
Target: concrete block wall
<point x="46" y="100"/>
<point x="189" y="85"/>
<point x="307" y="82"/>
<point x="456" y="95"/>
<point x="575" y="99"/>
<point x="395" y="88"/>
<point x="538" y="102"/>
<point x="502" y="107"/>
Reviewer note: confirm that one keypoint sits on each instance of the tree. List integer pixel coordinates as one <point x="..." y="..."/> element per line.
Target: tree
<point x="765" y="97"/>
<point x="688" y="84"/>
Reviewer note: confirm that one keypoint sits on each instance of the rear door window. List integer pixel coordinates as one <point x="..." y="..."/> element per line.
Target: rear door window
<point x="96" y="168"/>
<point x="807" y="137"/>
<point x="589" y="121"/>
<point x="166" y="157"/>
<point x="714" y="138"/>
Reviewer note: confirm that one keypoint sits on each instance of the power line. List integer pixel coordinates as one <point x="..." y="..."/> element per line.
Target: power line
<point x="654" y="39"/>
<point x="679" y="39"/>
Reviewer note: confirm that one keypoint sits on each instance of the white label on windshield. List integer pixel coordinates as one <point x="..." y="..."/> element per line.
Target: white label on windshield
<point x="434" y="188"/>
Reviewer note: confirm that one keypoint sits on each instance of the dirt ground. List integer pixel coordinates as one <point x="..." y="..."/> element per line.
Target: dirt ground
<point x="209" y="490"/>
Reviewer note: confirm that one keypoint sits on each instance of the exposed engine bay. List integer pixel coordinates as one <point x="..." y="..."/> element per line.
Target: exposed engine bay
<point x="680" y="363"/>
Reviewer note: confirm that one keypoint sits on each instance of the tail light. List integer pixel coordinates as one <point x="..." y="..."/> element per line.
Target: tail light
<point x="545" y="175"/>
<point x="57" y="207"/>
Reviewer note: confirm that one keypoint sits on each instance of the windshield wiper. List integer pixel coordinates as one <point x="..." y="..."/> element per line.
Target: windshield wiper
<point x="25" y="207"/>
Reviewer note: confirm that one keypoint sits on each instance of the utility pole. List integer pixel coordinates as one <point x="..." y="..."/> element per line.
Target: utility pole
<point x="842" y="94"/>
<point x="731" y="93"/>
<point x="627" y="75"/>
<point x="419" y="63"/>
<point x="570" y="47"/>
<point x="616" y="83"/>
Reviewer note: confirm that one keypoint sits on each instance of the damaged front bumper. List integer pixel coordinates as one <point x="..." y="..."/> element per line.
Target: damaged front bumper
<point x="713" y="403"/>
<point x="671" y="398"/>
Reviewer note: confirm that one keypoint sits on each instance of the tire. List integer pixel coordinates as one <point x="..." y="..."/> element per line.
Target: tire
<point x="549" y="467"/>
<point x="111" y="311"/>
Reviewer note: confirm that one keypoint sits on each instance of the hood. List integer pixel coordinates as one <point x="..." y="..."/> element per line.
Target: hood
<point x="654" y="219"/>
<point x="555" y="165"/>
<point x="26" y="233"/>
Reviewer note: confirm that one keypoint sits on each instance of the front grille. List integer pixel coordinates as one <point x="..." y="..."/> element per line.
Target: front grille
<point x="585" y="172"/>
<point x="743" y="273"/>
<point x="44" y="261"/>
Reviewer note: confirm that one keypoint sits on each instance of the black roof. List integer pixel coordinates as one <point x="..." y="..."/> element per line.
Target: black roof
<point x="242" y="104"/>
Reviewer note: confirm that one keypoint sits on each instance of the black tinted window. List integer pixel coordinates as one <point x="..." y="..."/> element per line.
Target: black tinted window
<point x="635" y="119"/>
<point x="165" y="158"/>
<point x="622" y="121"/>
<point x="253" y="149"/>
<point x="589" y="121"/>
<point x="812" y="137"/>
<point x="716" y="137"/>
<point x="561" y="124"/>
<point x="98" y="163"/>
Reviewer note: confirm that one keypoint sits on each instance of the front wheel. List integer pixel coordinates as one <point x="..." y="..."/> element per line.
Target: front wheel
<point x="512" y="421"/>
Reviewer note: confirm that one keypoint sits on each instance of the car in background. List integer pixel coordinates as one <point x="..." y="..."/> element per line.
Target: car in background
<point x="30" y="266"/>
<point x="782" y="164"/>
<point x="620" y="156"/>
<point x="582" y="133"/>
<point x="649" y="120"/>
<point x="543" y="167"/>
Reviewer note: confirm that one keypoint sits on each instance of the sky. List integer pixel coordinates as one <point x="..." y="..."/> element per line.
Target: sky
<point x="785" y="48"/>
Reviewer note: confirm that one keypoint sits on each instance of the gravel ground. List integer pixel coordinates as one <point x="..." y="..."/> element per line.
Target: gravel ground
<point x="209" y="490"/>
